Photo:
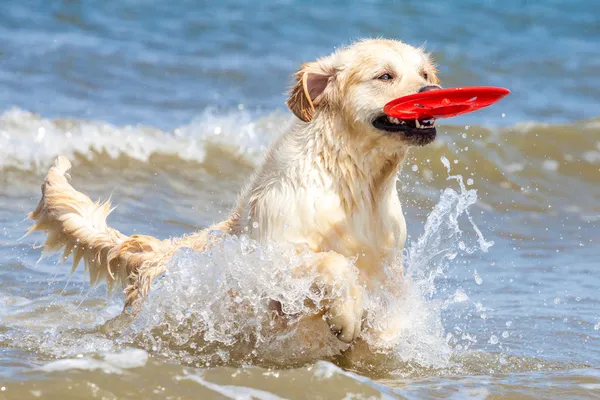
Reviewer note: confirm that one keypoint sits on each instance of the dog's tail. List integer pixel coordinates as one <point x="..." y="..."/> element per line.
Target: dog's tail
<point x="73" y="222"/>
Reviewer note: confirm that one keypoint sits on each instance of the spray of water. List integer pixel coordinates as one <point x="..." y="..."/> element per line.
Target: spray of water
<point x="238" y="303"/>
<point x="217" y="306"/>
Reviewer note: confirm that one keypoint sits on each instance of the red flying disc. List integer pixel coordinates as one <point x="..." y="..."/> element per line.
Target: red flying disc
<point x="444" y="103"/>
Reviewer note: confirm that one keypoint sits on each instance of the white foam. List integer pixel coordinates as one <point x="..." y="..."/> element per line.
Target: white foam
<point x="88" y="364"/>
<point x="591" y="386"/>
<point x="514" y="167"/>
<point x="230" y="391"/>
<point x="593" y="157"/>
<point x="324" y="370"/>
<point x="550" y="165"/>
<point x="126" y="359"/>
<point x="113" y="363"/>
<point x="28" y="141"/>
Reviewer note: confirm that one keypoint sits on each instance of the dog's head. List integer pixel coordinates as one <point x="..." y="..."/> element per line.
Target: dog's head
<point x="354" y="83"/>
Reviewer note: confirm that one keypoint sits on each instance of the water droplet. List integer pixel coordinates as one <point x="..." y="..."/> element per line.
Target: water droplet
<point x="464" y="135"/>
<point x="415" y="168"/>
<point x="505" y="334"/>
<point x="460" y="296"/>
<point x="217" y="130"/>
<point x="469" y="181"/>
<point x="503" y="115"/>
<point x="40" y="134"/>
<point x="478" y="279"/>
<point x="550" y="165"/>
<point x="557" y="300"/>
<point x="508" y="323"/>
<point x="494" y="339"/>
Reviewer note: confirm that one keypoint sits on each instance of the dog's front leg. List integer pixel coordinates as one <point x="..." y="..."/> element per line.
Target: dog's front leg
<point x="343" y="305"/>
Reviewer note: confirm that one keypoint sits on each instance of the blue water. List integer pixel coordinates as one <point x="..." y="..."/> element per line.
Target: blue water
<point x="217" y="74"/>
<point x="162" y="63"/>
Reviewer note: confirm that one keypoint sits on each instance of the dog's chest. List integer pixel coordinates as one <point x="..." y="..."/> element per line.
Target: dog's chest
<point x="370" y="234"/>
<point x="319" y="219"/>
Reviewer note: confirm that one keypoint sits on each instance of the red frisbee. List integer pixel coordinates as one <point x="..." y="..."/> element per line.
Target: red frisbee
<point x="444" y="103"/>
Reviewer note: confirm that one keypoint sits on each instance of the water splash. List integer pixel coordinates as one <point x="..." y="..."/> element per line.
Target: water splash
<point x="217" y="306"/>
<point x="441" y="241"/>
<point x="240" y="302"/>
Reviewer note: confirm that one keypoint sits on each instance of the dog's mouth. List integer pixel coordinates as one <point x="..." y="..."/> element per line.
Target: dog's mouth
<point x="418" y="131"/>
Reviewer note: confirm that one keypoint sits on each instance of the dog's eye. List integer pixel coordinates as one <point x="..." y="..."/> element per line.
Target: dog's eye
<point x="425" y="76"/>
<point x="385" y="77"/>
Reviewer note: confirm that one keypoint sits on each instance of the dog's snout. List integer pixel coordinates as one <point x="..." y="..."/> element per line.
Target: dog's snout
<point x="429" y="88"/>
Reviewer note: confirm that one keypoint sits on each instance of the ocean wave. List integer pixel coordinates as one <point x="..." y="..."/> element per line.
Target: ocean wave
<point x="539" y="163"/>
<point x="30" y="142"/>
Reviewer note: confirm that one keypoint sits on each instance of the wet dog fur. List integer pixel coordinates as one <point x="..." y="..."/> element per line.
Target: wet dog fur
<point x="328" y="185"/>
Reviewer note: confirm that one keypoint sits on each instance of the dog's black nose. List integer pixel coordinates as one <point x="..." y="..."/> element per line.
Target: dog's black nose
<point x="429" y="88"/>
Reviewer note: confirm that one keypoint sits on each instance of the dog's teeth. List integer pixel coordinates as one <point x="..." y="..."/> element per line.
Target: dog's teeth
<point x="417" y="123"/>
<point x="396" y="120"/>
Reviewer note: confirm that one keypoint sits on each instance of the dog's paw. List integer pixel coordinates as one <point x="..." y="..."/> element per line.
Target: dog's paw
<point x="344" y="316"/>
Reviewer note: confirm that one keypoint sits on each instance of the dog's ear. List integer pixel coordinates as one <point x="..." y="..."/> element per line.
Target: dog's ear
<point x="307" y="93"/>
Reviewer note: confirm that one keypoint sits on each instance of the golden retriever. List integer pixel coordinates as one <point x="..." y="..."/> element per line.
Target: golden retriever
<point x="329" y="185"/>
